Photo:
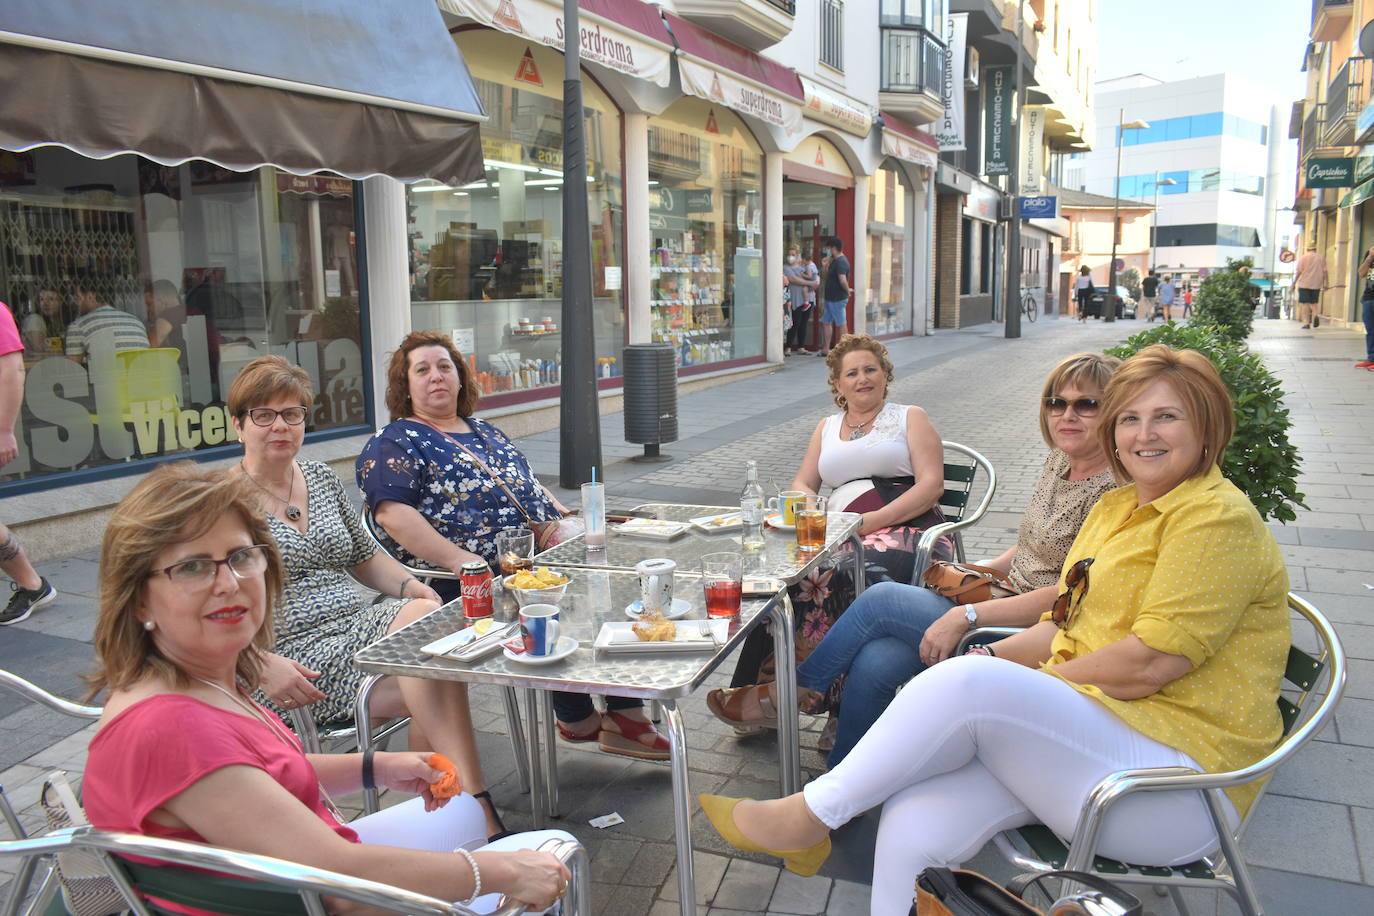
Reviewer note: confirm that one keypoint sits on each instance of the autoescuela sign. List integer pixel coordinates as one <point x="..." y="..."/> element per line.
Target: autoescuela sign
<point x="1329" y="173"/>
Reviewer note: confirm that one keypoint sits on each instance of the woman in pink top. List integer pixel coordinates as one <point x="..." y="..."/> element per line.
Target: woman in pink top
<point x="182" y="751"/>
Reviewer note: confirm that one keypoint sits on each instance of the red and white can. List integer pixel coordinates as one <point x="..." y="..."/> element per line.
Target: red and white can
<point x="476" y="579"/>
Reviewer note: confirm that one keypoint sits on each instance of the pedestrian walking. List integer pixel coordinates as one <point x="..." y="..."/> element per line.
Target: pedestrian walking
<point x="31" y="591"/>
<point x="1188" y="300"/>
<point x="1367" y="310"/>
<point x="1309" y="279"/>
<point x="1149" y="295"/>
<point x="1167" y="294"/>
<point x="838" y="289"/>
<point x="1083" y="291"/>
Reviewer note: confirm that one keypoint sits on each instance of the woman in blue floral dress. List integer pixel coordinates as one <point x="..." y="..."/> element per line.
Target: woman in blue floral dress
<point x="424" y="479"/>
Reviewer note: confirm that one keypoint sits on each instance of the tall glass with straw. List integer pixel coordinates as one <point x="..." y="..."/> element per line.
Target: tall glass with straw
<point x="594" y="512"/>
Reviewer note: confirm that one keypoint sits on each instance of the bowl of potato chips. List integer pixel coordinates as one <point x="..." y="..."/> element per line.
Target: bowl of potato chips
<point x="537" y="586"/>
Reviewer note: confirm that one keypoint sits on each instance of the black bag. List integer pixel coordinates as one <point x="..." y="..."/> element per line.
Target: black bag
<point x="889" y="488"/>
<point x="945" y="892"/>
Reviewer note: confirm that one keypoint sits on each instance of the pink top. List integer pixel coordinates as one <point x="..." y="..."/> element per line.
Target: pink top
<point x="159" y="747"/>
<point x="1310" y="272"/>
<point x="9" y="332"/>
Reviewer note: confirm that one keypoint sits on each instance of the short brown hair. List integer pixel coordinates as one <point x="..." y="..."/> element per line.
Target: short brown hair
<point x="398" y="378"/>
<point x="848" y="344"/>
<point x="1205" y="397"/>
<point x="267" y="378"/>
<point x="1087" y="371"/>
<point x="174" y="504"/>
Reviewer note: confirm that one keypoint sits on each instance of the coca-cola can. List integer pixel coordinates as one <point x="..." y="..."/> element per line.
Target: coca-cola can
<point x="475" y="578"/>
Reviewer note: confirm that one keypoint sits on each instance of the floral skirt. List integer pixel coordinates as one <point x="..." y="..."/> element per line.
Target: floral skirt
<point x="824" y="594"/>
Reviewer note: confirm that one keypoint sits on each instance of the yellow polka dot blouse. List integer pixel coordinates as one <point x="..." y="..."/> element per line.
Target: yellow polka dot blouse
<point x="1194" y="573"/>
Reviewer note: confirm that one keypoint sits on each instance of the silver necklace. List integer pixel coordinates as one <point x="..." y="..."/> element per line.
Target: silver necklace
<point x="857" y="430"/>
<point x="293" y="512"/>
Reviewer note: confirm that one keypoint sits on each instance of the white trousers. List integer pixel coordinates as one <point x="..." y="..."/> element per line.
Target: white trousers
<point x="976" y="745"/>
<point x="459" y="823"/>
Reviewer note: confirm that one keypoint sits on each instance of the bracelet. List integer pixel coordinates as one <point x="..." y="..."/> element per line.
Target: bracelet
<point x="368" y="781"/>
<point x="988" y="646"/>
<point x="401" y="593"/>
<point x="476" y="875"/>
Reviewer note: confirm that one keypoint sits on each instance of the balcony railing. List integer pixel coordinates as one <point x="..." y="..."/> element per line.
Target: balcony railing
<point x="1345" y="96"/>
<point x="913" y="60"/>
<point x="1311" y="129"/>
<point x="787" y="6"/>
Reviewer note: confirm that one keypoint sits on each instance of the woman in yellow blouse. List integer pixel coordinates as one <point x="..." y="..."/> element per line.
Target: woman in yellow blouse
<point x="1165" y="648"/>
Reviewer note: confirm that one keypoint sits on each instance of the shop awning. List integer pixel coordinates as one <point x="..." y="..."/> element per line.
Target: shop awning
<point x="830" y="107"/>
<point x="624" y="35"/>
<point x="1358" y="195"/>
<point x="355" y="88"/>
<point x="903" y="142"/>
<point x="721" y="71"/>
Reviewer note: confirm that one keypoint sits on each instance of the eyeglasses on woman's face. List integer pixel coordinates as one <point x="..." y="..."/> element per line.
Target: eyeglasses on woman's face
<point x="1084" y="407"/>
<point x="1065" y="605"/>
<point x="200" y="572"/>
<point x="266" y="416"/>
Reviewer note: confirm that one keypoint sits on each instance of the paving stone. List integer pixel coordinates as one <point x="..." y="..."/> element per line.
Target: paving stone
<point x="848" y="898"/>
<point x="802" y="896"/>
<point x="747" y="886"/>
<point x="707" y="871"/>
<point x="1301" y="835"/>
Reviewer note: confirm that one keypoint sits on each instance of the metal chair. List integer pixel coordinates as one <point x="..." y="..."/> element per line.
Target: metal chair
<point x="1036" y="848"/>
<point x="508" y="697"/>
<point x="237" y="883"/>
<point x="344" y="736"/>
<point x="960" y="476"/>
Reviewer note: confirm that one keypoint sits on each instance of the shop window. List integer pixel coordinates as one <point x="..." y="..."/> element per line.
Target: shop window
<point x="141" y="290"/>
<point x="984" y="258"/>
<point x="967" y="241"/>
<point x="888" y="309"/>
<point x="486" y="258"/>
<point x="706" y="232"/>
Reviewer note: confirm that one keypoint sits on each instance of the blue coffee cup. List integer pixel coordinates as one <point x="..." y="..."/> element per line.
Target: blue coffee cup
<point x="539" y="629"/>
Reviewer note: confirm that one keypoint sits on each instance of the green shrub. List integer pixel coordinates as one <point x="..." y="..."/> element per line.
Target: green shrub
<point x="1260" y="460"/>
<point x="1130" y="278"/>
<point x="1226" y="300"/>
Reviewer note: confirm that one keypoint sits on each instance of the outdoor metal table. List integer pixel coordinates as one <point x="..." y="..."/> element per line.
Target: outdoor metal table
<point x="596" y="596"/>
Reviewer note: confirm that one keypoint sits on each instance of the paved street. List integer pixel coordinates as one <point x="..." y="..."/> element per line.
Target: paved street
<point x="1312" y="843"/>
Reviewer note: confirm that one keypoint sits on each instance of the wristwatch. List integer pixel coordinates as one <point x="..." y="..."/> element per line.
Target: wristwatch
<point x="971" y="615"/>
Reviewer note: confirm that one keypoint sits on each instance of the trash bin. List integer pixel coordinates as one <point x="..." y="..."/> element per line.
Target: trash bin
<point x="650" y="374"/>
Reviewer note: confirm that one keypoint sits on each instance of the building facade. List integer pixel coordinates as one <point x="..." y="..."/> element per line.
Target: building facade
<point x="1093" y="222"/>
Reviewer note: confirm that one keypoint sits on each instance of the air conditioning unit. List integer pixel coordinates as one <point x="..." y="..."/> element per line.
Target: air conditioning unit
<point x="971" y="68"/>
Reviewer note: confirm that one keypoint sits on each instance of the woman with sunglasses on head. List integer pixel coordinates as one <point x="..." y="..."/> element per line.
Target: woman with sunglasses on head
<point x="893" y="631"/>
<point x="322" y="620"/>
<point x="188" y="580"/>
<point x="1165" y="649"/>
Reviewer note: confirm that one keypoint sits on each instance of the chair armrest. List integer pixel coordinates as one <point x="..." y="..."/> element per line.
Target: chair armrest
<point x="983" y="635"/>
<point x="52" y="701"/>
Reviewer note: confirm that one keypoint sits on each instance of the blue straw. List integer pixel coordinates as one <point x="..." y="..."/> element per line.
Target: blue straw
<point x="593" y="474"/>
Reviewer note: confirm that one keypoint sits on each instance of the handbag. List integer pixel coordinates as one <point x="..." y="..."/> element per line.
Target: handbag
<point x="87" y="888"/>
<point x="889" y="488"/>
<point x="966" y="583"/>
<point x="947" y="892"/>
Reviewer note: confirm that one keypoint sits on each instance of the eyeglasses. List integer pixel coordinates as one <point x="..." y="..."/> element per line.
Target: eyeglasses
<point x="1084" y="407"/>
<point x="266" y="416"/>
<point x="1064" y="606"/>
<point x="199" y="572"/>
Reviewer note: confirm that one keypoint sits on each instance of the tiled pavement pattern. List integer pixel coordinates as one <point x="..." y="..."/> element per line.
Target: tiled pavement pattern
<point x="1312" y="844"/>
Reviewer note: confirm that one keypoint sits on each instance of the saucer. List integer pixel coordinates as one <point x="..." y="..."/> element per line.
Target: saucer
<point x="566" y="646"/>
<point x="775" y="521"/>
<point x="681" y="606"/>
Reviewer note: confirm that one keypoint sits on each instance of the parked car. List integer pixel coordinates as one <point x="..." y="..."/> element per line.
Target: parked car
<point x="1125" y="305"/>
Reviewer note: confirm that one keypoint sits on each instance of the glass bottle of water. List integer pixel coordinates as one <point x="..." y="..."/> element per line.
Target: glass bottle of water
<point x="751" y="509"/>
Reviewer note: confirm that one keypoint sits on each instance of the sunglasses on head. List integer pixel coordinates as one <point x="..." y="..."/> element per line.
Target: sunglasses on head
<point x="1084" y="407"/>
<point x="1065" y="605"/>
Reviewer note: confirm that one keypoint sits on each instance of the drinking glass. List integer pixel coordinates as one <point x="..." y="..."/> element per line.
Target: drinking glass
<point x="594" y="513"/>
<point x="515" y="550"/>
<point x="811" y="524"/>
<point x="721" y="577"/>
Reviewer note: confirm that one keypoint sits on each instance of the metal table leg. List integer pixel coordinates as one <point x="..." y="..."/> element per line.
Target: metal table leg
<point x="860" y="579"/>
<point x="532" y="748"/>
<point x="682" y="808"/>
<point x="785" y="663"/>
<point x="517" y="737"/>
<point x="551" y="754"/>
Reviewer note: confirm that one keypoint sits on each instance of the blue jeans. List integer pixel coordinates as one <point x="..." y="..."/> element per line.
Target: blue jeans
<point x="1368" y="315"/>
<point x="877" y="642"/>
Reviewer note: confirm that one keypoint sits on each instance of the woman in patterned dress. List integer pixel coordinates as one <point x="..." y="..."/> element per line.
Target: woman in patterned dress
<point x="322" y="620"/>
<point x="437" y="505"/>
<point x="894" y="630"/>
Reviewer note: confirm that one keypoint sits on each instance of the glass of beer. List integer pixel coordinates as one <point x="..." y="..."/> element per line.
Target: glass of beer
<point x="721" y="577"/>
<point x="515" y="550"/>
<point x="811" y="524"/>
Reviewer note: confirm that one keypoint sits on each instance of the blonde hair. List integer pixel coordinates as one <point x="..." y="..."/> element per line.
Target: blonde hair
<point x="849" y="343"/>
<point x="1091" y="371"/>
<point x="1205" y="397"/>
<point x="173" y="504"/>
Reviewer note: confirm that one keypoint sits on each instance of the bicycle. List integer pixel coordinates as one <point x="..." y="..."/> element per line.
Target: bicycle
<point x="1029" y="306"/>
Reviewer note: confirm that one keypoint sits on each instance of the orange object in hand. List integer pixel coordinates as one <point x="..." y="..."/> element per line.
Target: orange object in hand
<point x="449" y="784"/>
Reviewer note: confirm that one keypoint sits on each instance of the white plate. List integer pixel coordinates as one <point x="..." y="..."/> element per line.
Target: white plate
<point x="446" y="644"/>
<point x="566" y="646"/>
<point x="692" y="636"/>
<point x="729" y="521"/>
<point x="658" y="529"/>
<point x="680" y="607"/>
<point x="775" y="521"/>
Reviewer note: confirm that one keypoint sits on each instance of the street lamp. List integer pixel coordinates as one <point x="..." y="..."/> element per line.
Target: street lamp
<point x="1154" y="217"/>
<point x="1121" y="127"/>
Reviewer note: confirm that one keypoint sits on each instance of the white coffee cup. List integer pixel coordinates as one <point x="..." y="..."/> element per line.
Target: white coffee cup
<point x="539" y="629"/>
<point x="656" y="583"/>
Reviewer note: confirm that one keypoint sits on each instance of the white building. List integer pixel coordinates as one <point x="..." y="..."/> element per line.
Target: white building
<point x="1211" y="153"/>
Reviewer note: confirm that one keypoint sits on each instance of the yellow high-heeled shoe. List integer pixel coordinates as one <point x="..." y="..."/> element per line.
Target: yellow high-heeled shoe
<point x="720" y="810"/>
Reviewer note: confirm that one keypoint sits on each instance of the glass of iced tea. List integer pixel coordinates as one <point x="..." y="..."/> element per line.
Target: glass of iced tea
<point x="515" y="550"/>
<point x="721" y="576"/>
<point x="811" y="524"/>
